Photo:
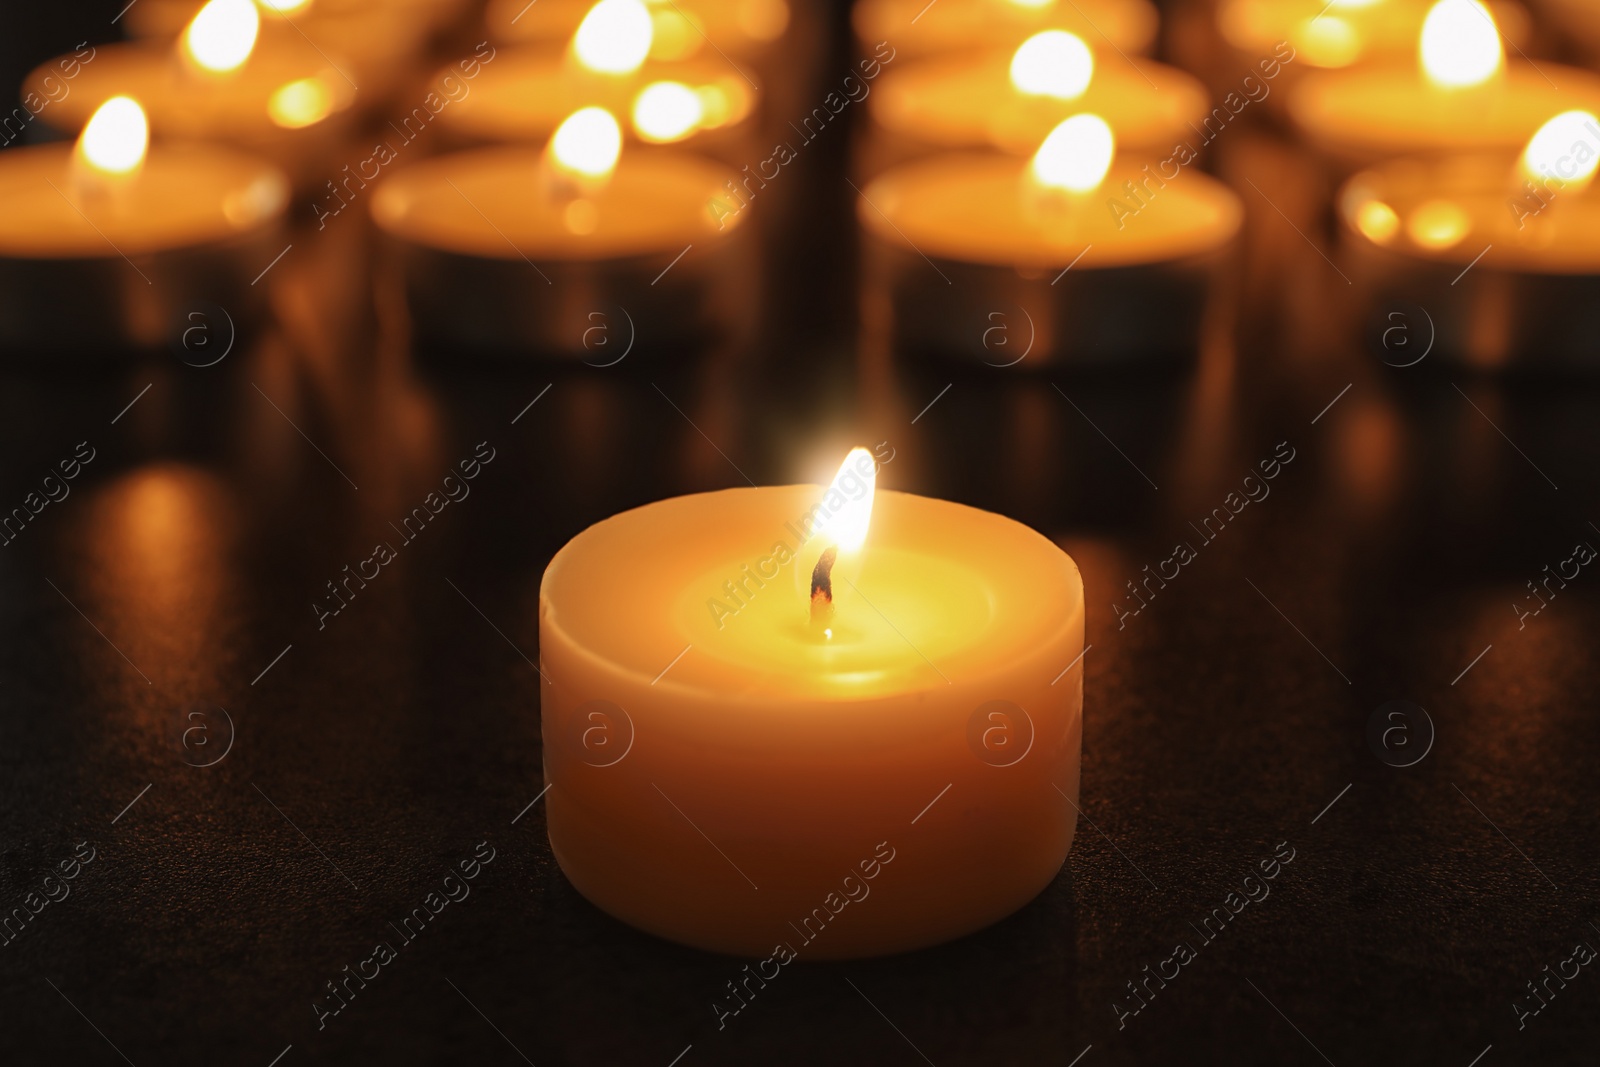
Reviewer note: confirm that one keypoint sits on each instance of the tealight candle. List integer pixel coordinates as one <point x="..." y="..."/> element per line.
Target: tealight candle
<point x="740" y="29"/>
<point x="105" y="244"/>
<point x="370" y="41"/>
<point x="1090" y="257"/>
<point x="766" y="724"/>
<point x="1502" y="252"/>
<point x="216" y="85"/>
<point x="1011" y="98"/>
<point x="1334" y="34"/>
<point x="517" y="248"/>
<point x="1459" y="96"/>
<point x="917" y="28"/>
<point x="528" y="91"/>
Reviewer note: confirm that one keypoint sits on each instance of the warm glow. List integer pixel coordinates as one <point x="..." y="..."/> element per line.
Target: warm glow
<point x="1032" y="3"/>
<point x="285" y="7"/>
<point x="1564" y="150"/>
<point x="116" y="137"/>
<point x="1353" y="3"/>
<point x="221" y="36"/>
<point x="587" y="143"/>
<point x="305" y="102"/>
<point x="1377" y="221"/>
<point x="667" y="111"/>
<point x="1053" y="63"/>
<point x="1461" y="44"/>
<point x="614" y="37"/>
<point x="1076" y="155"/>
<point x="1438" y="224"/>
<point x="846" y="525"/>
<point x="1328" y="41"/>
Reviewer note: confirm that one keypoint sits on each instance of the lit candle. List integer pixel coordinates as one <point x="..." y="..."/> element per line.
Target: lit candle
<point x="1084" y="255"/>
<point x="370" y="42"/>
<point x="1458" y="94"/>
<point x="1332" y="34"/>
<point x="529" y="91"/>
<point x="214" y="84"/>
<point x="139" y="235"/>
<point x="518" y="247"/>
<point x="1502" y="251"/>
<point x="917" y="28"/>
<point x="1011" y="98"/>
<point x="683" y="29"/>
<point x="766" y="724"/>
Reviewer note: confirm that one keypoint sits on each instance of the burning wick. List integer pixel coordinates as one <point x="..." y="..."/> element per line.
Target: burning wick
<point x="822" y="586"/>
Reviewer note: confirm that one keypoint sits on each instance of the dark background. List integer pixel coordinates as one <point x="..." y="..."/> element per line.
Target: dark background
<point x="1223" y="719"/>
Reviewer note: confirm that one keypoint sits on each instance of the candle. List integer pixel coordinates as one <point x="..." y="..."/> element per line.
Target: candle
<point x="142" y="236"/>
<point x="1091" y="257"/>
<point x="1344" y="33"/>
<point x="530" y="90"/>
<point x="214" y="84"/>
<point x="766" y="724"/>
<point x="1011" y="98"/>
<point x="370" y="41"/>
<point x="1459" y="94"/>
<point x="917" y="28"/>
<point x="740" y="29"/>
<point x="1502" y="251"/>
<point x="515" y="248"/>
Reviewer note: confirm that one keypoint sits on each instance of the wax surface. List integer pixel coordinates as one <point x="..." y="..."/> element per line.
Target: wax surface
<point x="798" y="755"/>
<point x="915" y="27"/>
<point x="489" y="203"/>
<point x="184" y="103"/>
<point x="1561" y="238"/>
<point x="1392" y="111"/>
<point x="964" y="101"/>
<point x="185" y="195"/>
<point x="526" y="93"/>
<point x="977" y="209"/>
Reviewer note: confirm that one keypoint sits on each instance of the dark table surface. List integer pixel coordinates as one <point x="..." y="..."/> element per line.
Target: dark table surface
<point x="1243" y="711"/>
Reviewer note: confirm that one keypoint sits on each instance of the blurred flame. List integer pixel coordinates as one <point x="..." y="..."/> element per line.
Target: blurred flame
<point x="1378" y="221"/>
<point x="614" y="37"/>
<point x="300" y="103"/>
<point x="285" y="7"/>
<point x="1076" y="154"/>
<point x="1566" y="149"/>
<point x="1052" y="63"/>
<point x="1460" y="44"/>
<point x="221" y="37"/>
<point x="586" y="145"/>
<point x="1438" y="224"/>
<point x="667" y="111"/>
<point x="847" y="525"/>
<point x="1329" y="41"/>
<point x="116" y="138"/>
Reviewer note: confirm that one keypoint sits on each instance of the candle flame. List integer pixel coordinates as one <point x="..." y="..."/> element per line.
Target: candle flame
<point x="1438" y="224"/>
<point x="586" y="145"/>
<point x="300" y="103"/>
<point x="221" y="37"/>
<point x="1329" y="41"/>
<point x="1076" y="155"/>
<point x="1460" y="44"/>
<point x="284" y="7"/>
<point x="614" y="37"/>
<point x="1052" y="63"/>
<point x="667" y="111"/>
<point x="1034" y="4"/>
<point x="1564" y="150"/>
<point x="847" y="505"/>
<point x="116" y="138"/>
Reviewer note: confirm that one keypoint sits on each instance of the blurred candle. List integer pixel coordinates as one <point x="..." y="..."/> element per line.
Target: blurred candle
<point x="918" y="28"/>
<point x="1459" y="94"/>
<point x="1089" y="256"/>
<point x="131" y="231"/>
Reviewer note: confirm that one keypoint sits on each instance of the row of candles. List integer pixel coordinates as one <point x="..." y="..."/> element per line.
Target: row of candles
<point x="1006" y="141"/>
<point x="762" y="705"/>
